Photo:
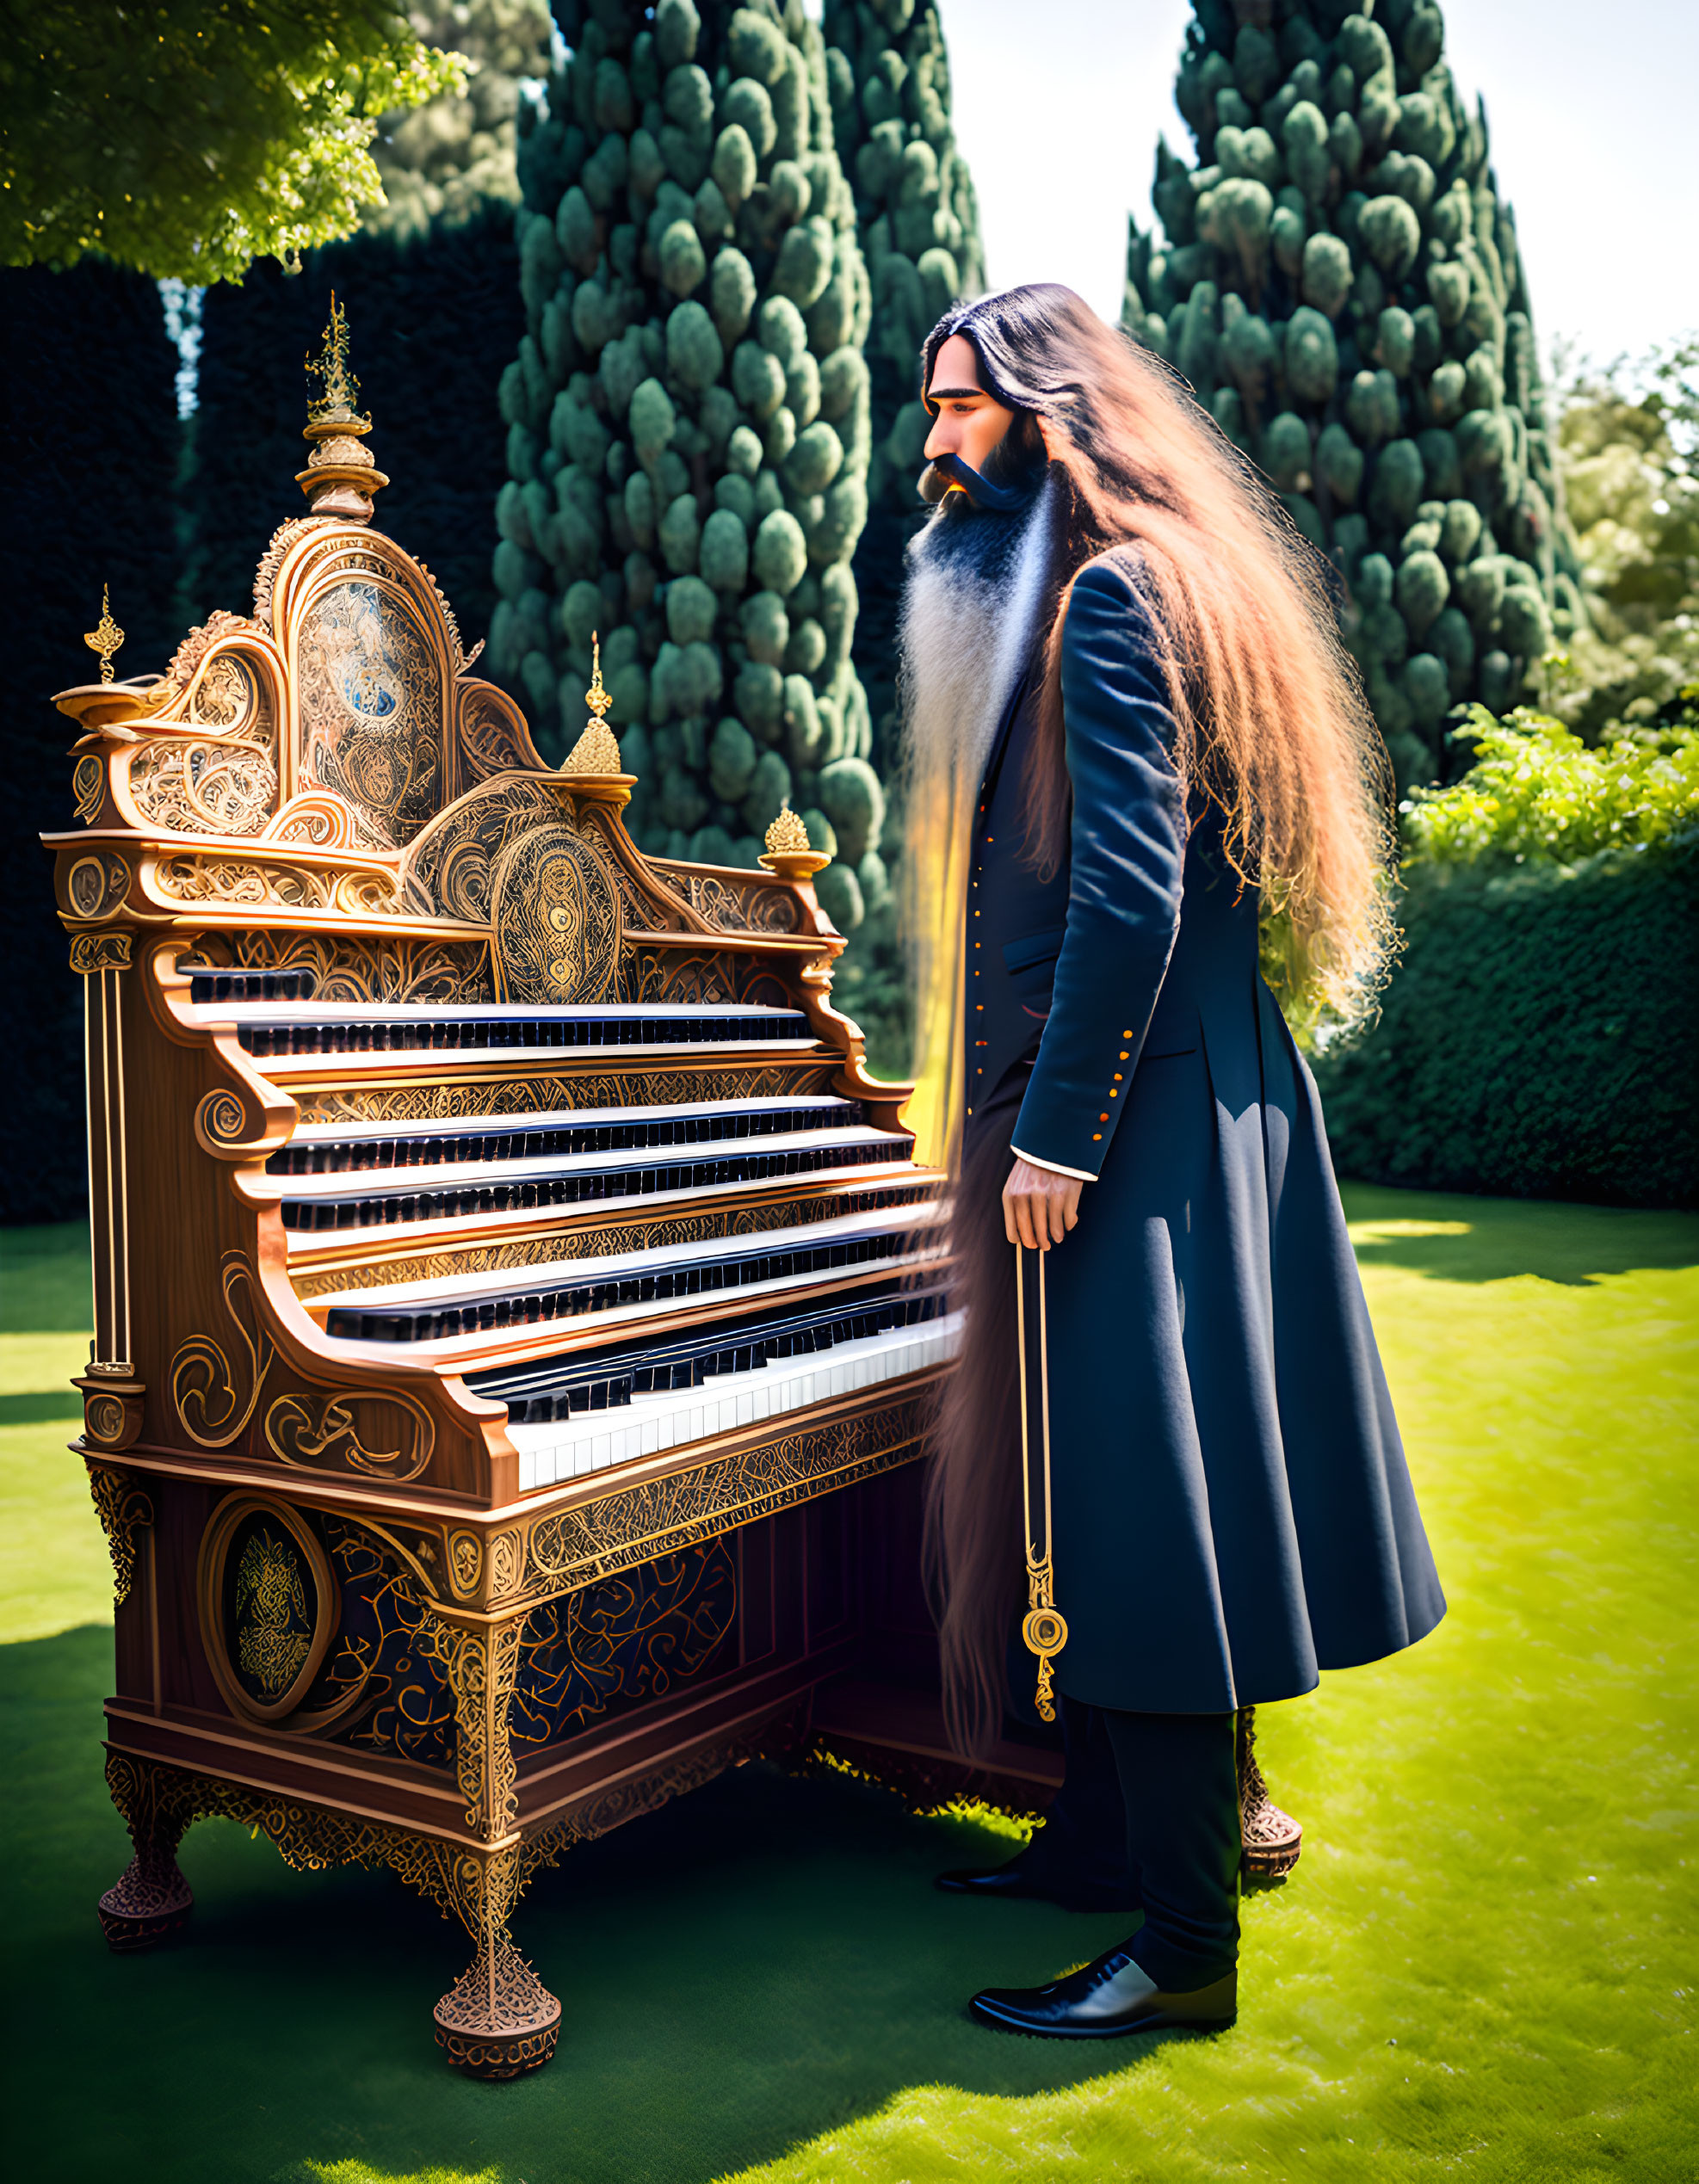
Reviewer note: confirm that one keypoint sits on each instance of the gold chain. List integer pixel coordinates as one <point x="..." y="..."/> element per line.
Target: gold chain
<point x="1044" y="1629"/>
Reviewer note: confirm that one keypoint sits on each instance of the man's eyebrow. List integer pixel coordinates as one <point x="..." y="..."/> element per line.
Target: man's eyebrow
<point x="954" y="393"/>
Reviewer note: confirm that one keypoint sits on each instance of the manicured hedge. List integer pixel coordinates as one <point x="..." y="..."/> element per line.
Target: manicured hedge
<point x="1540" y="1037"/>
<point x="433" y="322"/>
<point x="86" y="378"/>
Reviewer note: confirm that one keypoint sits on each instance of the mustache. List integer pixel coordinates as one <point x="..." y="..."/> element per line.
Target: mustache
<point x="950" y="474"/>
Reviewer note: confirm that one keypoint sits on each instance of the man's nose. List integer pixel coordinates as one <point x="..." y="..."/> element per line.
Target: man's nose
<point x="940" y="440"/>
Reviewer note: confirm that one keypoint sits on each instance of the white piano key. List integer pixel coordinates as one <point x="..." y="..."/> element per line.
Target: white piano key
<point x="659" y="1422"/>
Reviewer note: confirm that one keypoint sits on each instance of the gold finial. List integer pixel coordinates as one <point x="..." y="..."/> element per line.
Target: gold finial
<point x="106" y="636"/>
<point x="341" y="479"/>
<point x="598" y="750"/>
<point x="338" y="399"/>
<point x="788" y="837"/>
<point x="787" y="853"/>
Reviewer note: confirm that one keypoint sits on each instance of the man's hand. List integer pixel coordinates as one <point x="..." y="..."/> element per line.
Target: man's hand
<point x="1038" y="1206"/>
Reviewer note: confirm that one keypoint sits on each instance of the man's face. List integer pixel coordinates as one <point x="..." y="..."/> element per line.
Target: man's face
<point x="969" y="423"/>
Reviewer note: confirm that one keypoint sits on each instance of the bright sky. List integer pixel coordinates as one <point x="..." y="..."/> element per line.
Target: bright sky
<point x="1058" y="104"/>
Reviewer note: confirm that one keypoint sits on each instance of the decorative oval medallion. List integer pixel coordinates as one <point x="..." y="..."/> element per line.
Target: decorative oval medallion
<point x="85" y="886"/>
<point x="268" y="1605"/>
<point x="555" y="917"/>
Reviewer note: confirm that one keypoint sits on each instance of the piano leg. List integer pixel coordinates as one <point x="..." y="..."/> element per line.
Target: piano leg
<point x="151" y="1899"/>
<point x="498" y="2020"/>
<point x="1272" y="1839"/>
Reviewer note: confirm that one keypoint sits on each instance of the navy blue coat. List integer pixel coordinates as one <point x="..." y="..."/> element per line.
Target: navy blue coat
<point x="1232" y="1512"/>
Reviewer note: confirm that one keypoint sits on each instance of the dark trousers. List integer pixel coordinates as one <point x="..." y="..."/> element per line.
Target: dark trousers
<point x="1150" y="1808"/>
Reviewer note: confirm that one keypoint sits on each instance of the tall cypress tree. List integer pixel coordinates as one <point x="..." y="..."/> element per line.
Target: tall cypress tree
<point x="888" y="71"/>
<point x="1339" y="277"/>
<point x="689" y="430"/>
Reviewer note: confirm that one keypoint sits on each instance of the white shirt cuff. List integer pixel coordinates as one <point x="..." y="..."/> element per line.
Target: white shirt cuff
<point x="1054" y="1167"/>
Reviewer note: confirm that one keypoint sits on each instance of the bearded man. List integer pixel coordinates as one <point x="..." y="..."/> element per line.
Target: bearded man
<point x="1138" y="758"/>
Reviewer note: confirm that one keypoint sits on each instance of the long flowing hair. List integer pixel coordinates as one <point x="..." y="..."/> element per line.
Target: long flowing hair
<point x="1272" y="730"/>
<point x="1272" y="724"/>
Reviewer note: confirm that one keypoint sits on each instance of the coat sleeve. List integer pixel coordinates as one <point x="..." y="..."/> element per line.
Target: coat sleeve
<point x="1128" y="839"/>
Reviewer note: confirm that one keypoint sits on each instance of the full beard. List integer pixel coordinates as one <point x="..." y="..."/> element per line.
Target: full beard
<point x="981" y="589"/>
<point x="974" y="610"/>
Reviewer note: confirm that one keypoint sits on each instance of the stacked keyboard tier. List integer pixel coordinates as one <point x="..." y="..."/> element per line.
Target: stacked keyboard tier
<point x="686" y="1267"/>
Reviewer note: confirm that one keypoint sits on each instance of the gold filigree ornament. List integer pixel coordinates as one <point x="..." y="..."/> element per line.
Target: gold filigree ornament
<point x="598" y="750"/>
<point x="106" y="637"/>
<point x="342" y="478"/>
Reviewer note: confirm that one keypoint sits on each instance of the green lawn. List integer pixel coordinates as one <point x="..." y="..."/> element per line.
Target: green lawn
<point x="1483" y="1967"/>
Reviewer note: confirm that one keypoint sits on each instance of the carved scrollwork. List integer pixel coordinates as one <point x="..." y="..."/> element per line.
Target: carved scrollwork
<point x="659" y="1516"/>
<point x="221" y="1118"/>
<point x="678" y="975"/>
<point x="490" y="742"/>
<point x="322" y="1432"/>
<point x="753" y="906"/>
<point x="95" y="952"/>
<point x="124" y="1509"/>
<point x="225" y="697"/>
<point x="316" y="817"/>
<point x="204" y="1392"/>
<point x="199" y="641"/>
<point x="234" y="884"/>
<point x="265" y="576"/>
<point x="256" y="887"/>
<point x="529" y="1096"/>
<point x="373" y="970"/>
<point x="203" y="788"/>
<point x="88" y="787"/>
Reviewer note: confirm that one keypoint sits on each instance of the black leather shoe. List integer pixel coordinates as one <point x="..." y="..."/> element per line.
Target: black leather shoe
<point x="1024" y="1879"/>
<point x="1105" y="2002"/>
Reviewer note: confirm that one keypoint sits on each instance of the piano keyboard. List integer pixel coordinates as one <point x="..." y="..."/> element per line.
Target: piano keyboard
<point x="554" y="1449"/>
<point x="338" y="1149"/>
<point x="459" y="1190"/>
<point x="578" y="1289"/>
<point x="281" y="1030"/>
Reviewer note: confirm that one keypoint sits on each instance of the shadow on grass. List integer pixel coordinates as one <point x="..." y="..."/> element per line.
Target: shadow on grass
<point x="757" y="1963"/>
<point x="1450" y="1237"/>
<point x="45" y="1282"/>
<point x="43" y="1407"/>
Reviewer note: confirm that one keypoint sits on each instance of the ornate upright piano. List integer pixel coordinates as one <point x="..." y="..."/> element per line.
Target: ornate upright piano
<point x="516" y="1305"/>
<point x="511" y="1290"/>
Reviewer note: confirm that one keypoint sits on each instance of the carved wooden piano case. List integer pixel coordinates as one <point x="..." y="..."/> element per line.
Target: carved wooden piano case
<point x="515" y="1301"/>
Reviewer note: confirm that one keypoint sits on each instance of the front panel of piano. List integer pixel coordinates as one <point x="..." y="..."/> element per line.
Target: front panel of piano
<point x="512" y="1293"/>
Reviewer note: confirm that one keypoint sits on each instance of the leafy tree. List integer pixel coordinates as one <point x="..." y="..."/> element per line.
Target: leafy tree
<point x="186" y="138"/>
<point x="888" y="72"/>
<point x="1628" y="450"/>
<point x="1536" y="794"/>
<point x="449" y="158"/>
<point x="1339" y="279"/>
